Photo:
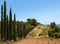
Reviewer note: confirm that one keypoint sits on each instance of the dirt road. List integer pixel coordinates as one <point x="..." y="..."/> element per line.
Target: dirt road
<point x="37" y="41"/>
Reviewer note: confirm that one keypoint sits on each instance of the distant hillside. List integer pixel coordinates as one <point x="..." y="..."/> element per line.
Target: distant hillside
<point x="39" y="31"/>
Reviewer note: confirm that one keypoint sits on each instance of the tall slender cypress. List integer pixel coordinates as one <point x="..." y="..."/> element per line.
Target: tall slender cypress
<point x="22" y="31"/>
<point x="14" y="28"/>
<point x="10" y="24"/>
<point x="2" y="23"/>
<point x="18" y="29"/>
<point x="5" y="22"/>
<point x="7" y="29"/>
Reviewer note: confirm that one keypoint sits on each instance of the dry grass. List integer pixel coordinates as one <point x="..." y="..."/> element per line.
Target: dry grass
<point x="37" y="31"/>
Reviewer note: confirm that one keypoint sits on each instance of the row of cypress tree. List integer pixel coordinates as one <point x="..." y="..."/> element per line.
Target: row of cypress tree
<point x="12" y="29"/>
<point x="8" y="26"/>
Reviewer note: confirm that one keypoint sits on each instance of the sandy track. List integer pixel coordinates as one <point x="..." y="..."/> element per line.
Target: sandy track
<point x="37" y="41"/>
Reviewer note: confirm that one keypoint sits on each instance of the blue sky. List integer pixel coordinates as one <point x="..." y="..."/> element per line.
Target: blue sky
<point x="44" y="11"/>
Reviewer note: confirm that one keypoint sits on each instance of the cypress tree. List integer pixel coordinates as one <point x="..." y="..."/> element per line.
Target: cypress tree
<point x="14" y="28"/>
<point x="24" y="33"/>
<point x="2" y="23"/>
<point x="10" y="25"/>
<point x="5" y="22"/>
<point x="18" y="29"/>
<point x="7" y="29"/>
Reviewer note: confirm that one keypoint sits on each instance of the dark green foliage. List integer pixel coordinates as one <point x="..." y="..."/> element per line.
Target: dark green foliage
<point x="32" y="21"/>
<point x="50" y="33"/>
<point x="14" y="28"/>
<point x="5" y="22"/>
<point x="6" y="25"/>
<point x="52" y="25"/>
<point x="57" y="32"/>
<point x="7" y="29"/>
<point x="23" y="28"/>
<point x="10" y="25"/>
<point x="2" y="23"/>
<point x="54" y="31"/>
<point x="19" y="29"/>
<point x="28" y="28"/>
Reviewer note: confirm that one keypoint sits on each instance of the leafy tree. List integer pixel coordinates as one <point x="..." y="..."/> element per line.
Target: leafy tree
<point x="52" y="25"/>
<point x="54" y="31"/>
<point x="28" y="20"/>
<point x="50" y="33"/>
<point x="31" y="21"/>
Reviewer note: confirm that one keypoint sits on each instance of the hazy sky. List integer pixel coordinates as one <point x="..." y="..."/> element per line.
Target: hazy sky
<point x="44" y="11"/>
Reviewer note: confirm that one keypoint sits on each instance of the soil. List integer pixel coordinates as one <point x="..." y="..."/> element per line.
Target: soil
<point x="37" y="41"/>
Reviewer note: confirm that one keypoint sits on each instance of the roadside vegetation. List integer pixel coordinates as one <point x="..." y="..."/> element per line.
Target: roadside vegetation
<point x="54" y="31"/>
